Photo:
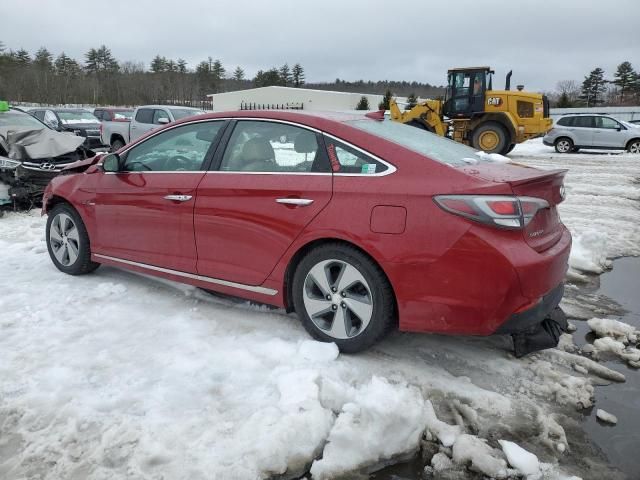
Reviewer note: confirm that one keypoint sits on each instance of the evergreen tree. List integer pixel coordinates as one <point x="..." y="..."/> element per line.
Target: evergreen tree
<point x="158" y="64"/>
<point x="363" y="104"/>
<point x="563" y="101"/>
<point x="182" y="66"/>
<point x="285" y="75"/>
<point x="170" y="65"/>
<point x="594" y="87"/>
<point x="217" y="70"/>
<point x="297" y="75"/>
<point x="238" y="74"/>
<point x="412" y="101"/>
<point x="384" y="104"/>
<point x="66" y="66"/>
<point x="22" y="57"/>
<point x="269" y="78"/>
<point x="43" y="59"/>
<point x="625" y="77"/>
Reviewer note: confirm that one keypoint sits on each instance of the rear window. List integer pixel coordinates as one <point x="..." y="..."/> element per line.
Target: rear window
<point x="420" y="141"/>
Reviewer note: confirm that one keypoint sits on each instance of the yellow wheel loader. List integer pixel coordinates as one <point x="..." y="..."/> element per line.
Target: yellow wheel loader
<point x="474" y="114"/>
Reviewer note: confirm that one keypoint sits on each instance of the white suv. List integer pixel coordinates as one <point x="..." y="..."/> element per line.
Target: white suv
<point x="573" y="132"/>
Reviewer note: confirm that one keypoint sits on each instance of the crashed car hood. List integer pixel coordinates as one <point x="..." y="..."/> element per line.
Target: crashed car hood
<point x="42" y="143"/>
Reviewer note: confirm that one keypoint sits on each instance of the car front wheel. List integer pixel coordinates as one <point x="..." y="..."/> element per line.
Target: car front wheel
<point x="342" y="296"/>
<point x="68" y="241"/>
<point x="634" y="146"/>
<point x="564" y="145"/>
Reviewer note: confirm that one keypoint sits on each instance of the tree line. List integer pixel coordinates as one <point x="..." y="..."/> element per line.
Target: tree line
<point x="100" y="79"/>
<point x="596" y="90"/>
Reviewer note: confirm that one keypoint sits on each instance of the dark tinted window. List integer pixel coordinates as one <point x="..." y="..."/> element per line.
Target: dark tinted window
<point x="144" y="115"/>
<point x="584" y="122"/>
<point x="566" y="121"/>
<point x="39" y="114"/>
<point x="349" y="160"/>
<point x="99" y="114"/>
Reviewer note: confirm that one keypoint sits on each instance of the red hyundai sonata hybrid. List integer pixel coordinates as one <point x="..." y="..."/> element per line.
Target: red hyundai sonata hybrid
<point x="358" y="224"/>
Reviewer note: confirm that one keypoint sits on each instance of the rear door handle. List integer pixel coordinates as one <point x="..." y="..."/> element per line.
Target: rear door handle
<point x="178" y="198"/>
<point x="298" y="202"/>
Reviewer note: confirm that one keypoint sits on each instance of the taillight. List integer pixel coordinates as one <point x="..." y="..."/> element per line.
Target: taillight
<point x="502" y="211"/>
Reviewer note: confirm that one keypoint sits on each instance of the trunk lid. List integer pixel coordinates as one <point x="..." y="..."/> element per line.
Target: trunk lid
<point x="545" y="228"/>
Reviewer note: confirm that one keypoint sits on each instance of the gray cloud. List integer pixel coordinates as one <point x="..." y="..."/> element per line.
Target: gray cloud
<point x="543" y="42"/>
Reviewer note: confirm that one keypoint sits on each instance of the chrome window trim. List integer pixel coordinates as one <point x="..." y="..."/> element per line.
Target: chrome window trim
<point x="390" y="167"/>
<point x="201" y="278"/>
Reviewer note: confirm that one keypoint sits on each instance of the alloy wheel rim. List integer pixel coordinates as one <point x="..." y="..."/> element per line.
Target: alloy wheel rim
<point x="635" y="148"/>
<point x="338" y="299"/>
<point x="489" y="140"/>
<point x="64" y="239"/>
<point x="563" y="146"/>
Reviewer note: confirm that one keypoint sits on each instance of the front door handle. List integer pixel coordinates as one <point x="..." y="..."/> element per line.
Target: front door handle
<point x="298" y="202"/>
<point x="178" y="198"/>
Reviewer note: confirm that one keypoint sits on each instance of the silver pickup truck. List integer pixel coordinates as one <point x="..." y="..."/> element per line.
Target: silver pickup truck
<point x="145" y="119"/>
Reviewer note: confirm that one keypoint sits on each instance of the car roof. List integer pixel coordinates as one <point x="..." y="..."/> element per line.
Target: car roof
<point x="66" y="110"/>
<point x="172" y="106"/>
<point x="587" y="115"/>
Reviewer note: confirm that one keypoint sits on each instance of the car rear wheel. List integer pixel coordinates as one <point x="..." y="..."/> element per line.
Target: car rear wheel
<point x="342" y="296"/>
<point x="563" y="145"/>
<point x="634" y="146"/>
<point x="68" y="241"/>
<point x="116" y="145"/>
<point x="491" y="137"/>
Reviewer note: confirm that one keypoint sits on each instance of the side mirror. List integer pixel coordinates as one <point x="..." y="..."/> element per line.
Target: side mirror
<point x="111" y="163"/>
<point x="163" y="120"/>
<point x="620" y="127"/>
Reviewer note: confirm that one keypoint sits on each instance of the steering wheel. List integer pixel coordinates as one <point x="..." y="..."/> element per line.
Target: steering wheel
<point x="178" y="163"/>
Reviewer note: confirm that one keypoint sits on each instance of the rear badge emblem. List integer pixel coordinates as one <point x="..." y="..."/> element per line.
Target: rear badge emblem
<point x="537" y="233"/>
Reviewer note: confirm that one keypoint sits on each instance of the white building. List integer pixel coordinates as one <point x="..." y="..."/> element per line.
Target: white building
<point x="289" y="97"/>
<point x="621" y="113"/>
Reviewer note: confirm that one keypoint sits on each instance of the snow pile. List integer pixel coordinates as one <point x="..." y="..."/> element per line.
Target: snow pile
<point x="525" y="462"/>
<point x="469" y="449"/>
<point x="606" y="416"/>
<point x="605" y="327"/>
<point x="493" y="157"/>
<point x="588" y="252"/>
<point x="629" y="354"/>
<point x="381" y="419"/>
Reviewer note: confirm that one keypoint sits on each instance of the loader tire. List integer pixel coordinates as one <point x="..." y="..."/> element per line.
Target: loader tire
<point x="491" y="137"/>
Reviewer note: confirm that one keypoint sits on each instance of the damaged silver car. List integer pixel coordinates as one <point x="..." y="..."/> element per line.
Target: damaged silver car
<point x="31" y="154"/>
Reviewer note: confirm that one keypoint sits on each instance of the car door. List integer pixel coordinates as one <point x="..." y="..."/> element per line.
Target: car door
<point x="141" y="124"/>
<point x="144" y="212"/>
<point x="608" y="133"/>
<point x="271" y="181"/>
<point x="583" y="127"/>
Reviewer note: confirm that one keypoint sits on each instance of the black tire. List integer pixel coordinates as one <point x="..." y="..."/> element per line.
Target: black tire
<point x="64" y="219"/>
<point x="509" y="148"/>
<point x="495" y="132"/>
<point x="634" y="146"/>
<point x="377" y="292"/>
<point x="116" y="145"/>
<point x="563" y="145"/>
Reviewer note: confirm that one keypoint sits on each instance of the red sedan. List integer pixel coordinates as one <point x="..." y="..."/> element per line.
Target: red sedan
<point x="358" y="224"/>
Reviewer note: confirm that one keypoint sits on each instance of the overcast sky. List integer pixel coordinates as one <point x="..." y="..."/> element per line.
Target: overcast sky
<point x="542" y="41"/>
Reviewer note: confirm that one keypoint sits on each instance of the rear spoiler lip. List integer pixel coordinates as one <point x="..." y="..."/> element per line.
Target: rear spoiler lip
<point x="543" y="175"/>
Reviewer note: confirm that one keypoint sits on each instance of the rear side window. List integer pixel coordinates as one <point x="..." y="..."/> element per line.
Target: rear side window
<point x="525" y="109"/>
<point x="144" y="115"/>
<point x="99" y="114"/>
<point x="584" y="122"/>
<point x="39" y="115"/>
<point x="346" y="159"/>
<point x="566" y="121"/>
<point x="258" y="146"/>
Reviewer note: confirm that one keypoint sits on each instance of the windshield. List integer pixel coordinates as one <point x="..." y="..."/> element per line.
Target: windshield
<point x="19" y="119"/>
<point x="123" y="115"/>
<point x="77" y="117"/>
<point x="425" y="143"/>
<point x="180" y="113"/>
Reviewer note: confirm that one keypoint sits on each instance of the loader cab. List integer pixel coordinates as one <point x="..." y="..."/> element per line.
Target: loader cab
<point x="466" y="89"/>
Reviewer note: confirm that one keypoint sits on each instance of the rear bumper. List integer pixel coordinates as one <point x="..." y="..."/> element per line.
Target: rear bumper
<point x="547" y="142"/>
<point x="519" y="322"/>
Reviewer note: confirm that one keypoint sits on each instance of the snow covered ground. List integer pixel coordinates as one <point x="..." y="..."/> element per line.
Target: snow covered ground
<point x="118" y="375"/>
